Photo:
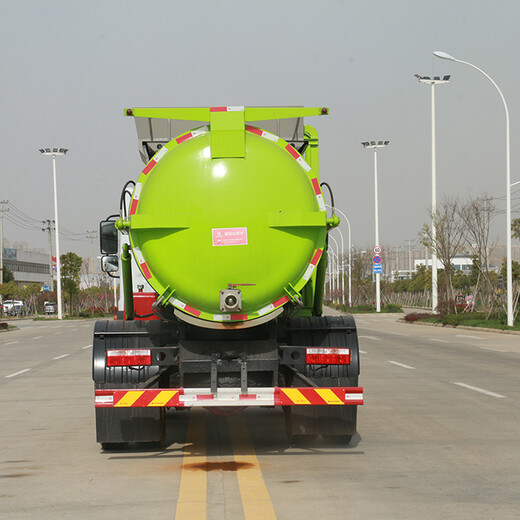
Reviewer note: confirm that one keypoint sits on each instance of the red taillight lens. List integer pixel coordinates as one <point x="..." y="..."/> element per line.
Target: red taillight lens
<point x="327" y="356"/>
<point x="124" y="358"/>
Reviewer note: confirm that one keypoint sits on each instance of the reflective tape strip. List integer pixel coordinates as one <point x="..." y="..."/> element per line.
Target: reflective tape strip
<point x="177" y="303"/>
<point x="187" y="397"/>
<point x="294" y="395"/>
<point x="190" y="135"/>
<point x="142" y="263"/>
<point x="238" y="317"/>
<point x="265" y="310"/>
<point x="222" y="317"/>
<point x="226" y="109"/>
<point x="193" y="311"/>
<point x="155" y="159"/>
<point x="273" y="306"/>
<point x="135" y="198"/>
<point x="328" y="396"/>
<point x="317" y="256"/>
<point x="262" y="133"/>
<point x="319" y="194"/>
<point x="299" y="159"/>
<point x="314" y="262"/>
<point x="128" y="399"/>
<point x="163" y="397"/>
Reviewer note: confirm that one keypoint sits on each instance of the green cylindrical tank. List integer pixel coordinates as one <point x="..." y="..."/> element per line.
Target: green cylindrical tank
<point x="199" y="224"/>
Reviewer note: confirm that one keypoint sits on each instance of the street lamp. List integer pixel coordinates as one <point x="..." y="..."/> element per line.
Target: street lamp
<point x="436" y="80"/>
<point x="56" y="152"/>
<point x="375" y="145"/>
<point x="510" y="317"/>
<point x="335" y="266"/>
<point x="349" y="254"/>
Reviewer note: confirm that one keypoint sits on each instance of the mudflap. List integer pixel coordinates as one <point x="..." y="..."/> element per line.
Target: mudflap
<point x="332" y="422"/>
<point x="116" y="426"/>
<point x="335" y="423"/>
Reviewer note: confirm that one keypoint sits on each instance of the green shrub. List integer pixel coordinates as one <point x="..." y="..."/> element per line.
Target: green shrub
<point x="392" y="307"/>
<point x="452" y="319"/>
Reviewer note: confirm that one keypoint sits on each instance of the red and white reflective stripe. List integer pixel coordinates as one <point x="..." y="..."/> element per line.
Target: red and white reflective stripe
<point x="327" y="356"/>
<point x="190" y="135"/>
<point x="155" y="159"/>
<point x="226" y="109"/>
<point x="262" y="133"/>
<point x="319" y="194"/>
<point x="273" y="306"/>
<point x="185" y="307"/>
<point x="227" y="397"/>
<point x="135" y="198"/>
<point x="188" y="397"/>
<point x="142" y="263"/>
<point x="230" y="317"/>
<point x="314" y="262"/>
<point x="299" y="159"/>
<point x="118" y="358"/>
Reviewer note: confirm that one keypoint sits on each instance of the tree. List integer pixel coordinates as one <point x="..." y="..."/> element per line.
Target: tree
<point x="8" y="275"/>
<point x="449" y="238"/>
<point x="70" y="268"/>
<point x="9" y="290"/>
<point x="515" y="228"/>
<point x="476" y="215"/>
<point x="29" y="295"/>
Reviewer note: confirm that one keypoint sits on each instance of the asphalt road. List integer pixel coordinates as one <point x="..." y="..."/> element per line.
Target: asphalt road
<point x="438" y="438"/>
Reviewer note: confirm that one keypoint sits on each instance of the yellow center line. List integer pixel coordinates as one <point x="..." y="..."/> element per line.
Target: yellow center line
<point x="255" y="497"/>
<point x="191" y="504"/>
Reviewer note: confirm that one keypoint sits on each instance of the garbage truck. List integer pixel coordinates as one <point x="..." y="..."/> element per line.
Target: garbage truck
<point x="221" y="247"/>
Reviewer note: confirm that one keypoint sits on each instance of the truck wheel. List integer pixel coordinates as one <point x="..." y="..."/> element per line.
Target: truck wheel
<point x="338" y="440"/>
<point x="113" y="446"/>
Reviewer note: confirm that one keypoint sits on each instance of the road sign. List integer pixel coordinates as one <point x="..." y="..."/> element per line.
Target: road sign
<point x="378" y="269"/>
<point x="376" y="259"/>
<point x="46" y="288"/>
<point x="377" y="250"/>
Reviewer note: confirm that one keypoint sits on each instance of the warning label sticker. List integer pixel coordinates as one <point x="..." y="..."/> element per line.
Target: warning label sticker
<point x="229" y="236"/>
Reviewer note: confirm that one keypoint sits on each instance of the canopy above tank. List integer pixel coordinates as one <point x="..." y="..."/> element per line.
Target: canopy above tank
<point x="158" y="126"/>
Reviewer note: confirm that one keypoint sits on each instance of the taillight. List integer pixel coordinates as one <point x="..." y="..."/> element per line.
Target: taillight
<point x="327" y="356"/>
<point x="123" y="358"/>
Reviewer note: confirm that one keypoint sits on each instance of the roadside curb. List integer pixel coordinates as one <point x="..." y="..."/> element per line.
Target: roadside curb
<point x="463" y="327"/>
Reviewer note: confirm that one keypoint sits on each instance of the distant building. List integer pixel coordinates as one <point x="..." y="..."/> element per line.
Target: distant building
<point x="27" y="265"/>
<point x="459" y="262"/>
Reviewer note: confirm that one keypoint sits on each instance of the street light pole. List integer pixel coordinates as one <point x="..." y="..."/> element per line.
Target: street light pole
<point x="509" y="268"/>
<point x="55" y="152"/>
<point x="375" y="145"/>
<point x="349" y="255"/>
<point x="426" y="80"/>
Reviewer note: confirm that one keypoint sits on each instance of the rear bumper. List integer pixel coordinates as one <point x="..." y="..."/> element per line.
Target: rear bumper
<point x="188" y="397"/>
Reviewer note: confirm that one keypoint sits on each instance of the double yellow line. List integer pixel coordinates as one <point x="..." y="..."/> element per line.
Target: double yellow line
<point x="192" y="504"/>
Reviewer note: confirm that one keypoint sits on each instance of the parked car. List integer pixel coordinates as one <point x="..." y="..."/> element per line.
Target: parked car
<point x="13" y="307"/>
<point x="49" y="308"/>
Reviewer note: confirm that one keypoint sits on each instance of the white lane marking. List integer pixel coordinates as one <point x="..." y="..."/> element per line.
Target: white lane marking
<point x="370" y="337"/>
<point x="18" y="373"/>
<point x="85" y="326"/>
<point x="59" y="332"/>
<point x="72" y="330"/>
<point x="481" y="390"/>
<point x="88" y="346"/>
<point x="401" y="365"/>
<point x="61" y="357"/>
<point x="397" y="333"/>
<point x="362" y="352"/>
<point x="467" y="336"/>
<point x="439" y="340"/>
<point x="38" y="337"/>
<point x="493" y="349"/>
<point x="11" y="342"/>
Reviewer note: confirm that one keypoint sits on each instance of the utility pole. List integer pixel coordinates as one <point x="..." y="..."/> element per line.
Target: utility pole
<point x="2" y="209"/>
<point x="92" y="235"/>
<point x="49" y="228"/>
